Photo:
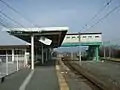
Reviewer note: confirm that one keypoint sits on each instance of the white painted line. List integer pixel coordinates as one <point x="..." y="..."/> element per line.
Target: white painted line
<point x="26" y="81"/>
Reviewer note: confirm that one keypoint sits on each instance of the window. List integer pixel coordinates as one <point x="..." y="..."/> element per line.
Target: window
<point x="84" y="36"/>
<point x="78" y="36"/>
<point x="19" y="51"/>
<point x="96" y="36"/>
<point x="89" y="36"/>
<point x="73" y="37"/>
<point x="67" y="37"/>
<point x="9" y="51"/>
<point x="2" y="52"/>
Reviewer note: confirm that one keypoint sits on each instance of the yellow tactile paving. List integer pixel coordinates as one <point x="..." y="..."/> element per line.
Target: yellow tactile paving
<point x="62" y="83"/>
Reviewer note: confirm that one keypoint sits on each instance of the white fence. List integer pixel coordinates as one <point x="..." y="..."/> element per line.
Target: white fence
<point x="7" y="66"/>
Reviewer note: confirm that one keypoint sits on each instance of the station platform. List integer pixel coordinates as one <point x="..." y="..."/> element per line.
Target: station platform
<point x="43" y="78"/>
<point x="14" y="81"/>
<point x="111" y="59"/>
<point x="106" y="71"/>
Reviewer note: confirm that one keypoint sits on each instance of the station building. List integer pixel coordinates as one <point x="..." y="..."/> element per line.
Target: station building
<point x="12" y="49"/>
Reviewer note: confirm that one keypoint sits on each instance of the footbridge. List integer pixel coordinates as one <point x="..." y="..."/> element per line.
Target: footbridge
<point x="92" y="40"/>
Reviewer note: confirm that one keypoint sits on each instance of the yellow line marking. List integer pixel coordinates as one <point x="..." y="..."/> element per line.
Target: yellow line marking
<point x="62" y="83"/>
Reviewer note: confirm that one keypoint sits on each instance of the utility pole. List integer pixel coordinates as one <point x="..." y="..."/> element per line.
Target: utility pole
<point x="71" y="54"/>
<point x="104" y="52"/>
<point x="109" y="50"/>
<point x="79" y="48"/>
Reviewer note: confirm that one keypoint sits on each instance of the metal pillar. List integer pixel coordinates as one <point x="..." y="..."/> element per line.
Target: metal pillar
<point x="36" y="54"/>
<point x="104" y="53"/>
<point x="109" y="51"/>
<point x="91" y="53"/>
<point x="80" y="54"/>
<point x="46" y="54"/>
<point x="96" y="53"/>
<point x="25" y="58"/>
<point x="42" y="55"/>
<point x="79" y="48"/>
<point x="6" y="63"/>
<point x="17" y="63"/>
<point x="32" y="52"/>
<point x="49" y="54"/>
<point x="13" y="58"/>
<point x="71" y="54"/>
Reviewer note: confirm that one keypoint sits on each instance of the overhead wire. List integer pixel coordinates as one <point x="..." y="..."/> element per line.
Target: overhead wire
<point x="96" y="15"/>
<point x="11" y="19"/>
<point x="104" y="17"/>
<point x="5" y="21"/>
<point x="5" y="24"/>
<point x="13" y="9"/>
<point x="1" y="23"/>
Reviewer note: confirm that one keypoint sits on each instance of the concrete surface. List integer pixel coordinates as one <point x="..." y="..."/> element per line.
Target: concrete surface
<point x="12" y="67"/>
<point x="44" y="78"/>
<point x="107" y="71"/>
<point x="13" y="81"/>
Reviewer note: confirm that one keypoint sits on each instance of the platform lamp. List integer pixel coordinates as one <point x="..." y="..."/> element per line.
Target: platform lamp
<point x="45" y="40"/>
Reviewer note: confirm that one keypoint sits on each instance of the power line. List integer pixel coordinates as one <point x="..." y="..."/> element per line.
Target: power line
<point x="3" y="20"/>
<point x="105" y="16"/>
<point x="13" y="9"/>
<point x="107" y="4"/>
<point x="1" y="23"/>
<point x="4" y="24"/>
<point x="11" y="19"/>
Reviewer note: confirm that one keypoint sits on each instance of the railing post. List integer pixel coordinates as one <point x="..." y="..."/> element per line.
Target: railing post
<point x="6" y="63"/>
<point x="17" y="63"/>
<point x="32" y="52"/>
<point x="42" y="55"/>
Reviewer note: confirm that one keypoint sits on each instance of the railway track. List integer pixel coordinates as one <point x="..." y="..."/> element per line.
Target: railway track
<point x="81" y="77"/>
<point x="90" y="79"/>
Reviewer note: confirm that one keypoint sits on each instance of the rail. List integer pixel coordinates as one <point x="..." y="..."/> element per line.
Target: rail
<point x="92" y="78"/>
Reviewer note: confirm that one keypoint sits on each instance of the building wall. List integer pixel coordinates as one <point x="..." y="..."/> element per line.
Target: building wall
<point x="91" y="38"/>
<point x="12" y="56"/>
<point x="83" y="38"/>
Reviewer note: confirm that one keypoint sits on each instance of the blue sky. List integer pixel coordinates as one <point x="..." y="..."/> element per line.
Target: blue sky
<point x="72" y="13"/>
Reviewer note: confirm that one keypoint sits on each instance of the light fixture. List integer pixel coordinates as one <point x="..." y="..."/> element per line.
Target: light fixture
<point x="45" y="40"/>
